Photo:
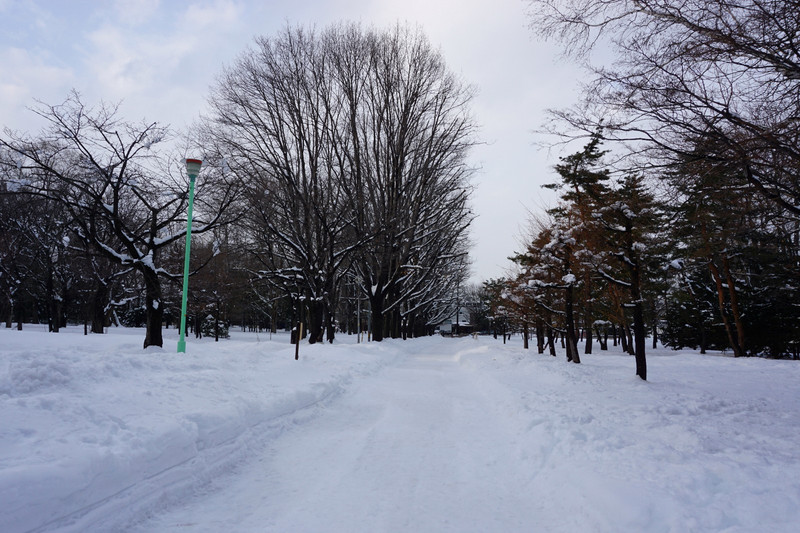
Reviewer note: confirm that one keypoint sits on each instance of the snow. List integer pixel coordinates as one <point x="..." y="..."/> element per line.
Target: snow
<point x="434" y="434"/>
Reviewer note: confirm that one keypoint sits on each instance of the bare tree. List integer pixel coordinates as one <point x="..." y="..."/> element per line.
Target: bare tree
<point x="721" y="72"/>
<point x="275" y="118"/>
<point x="126" y="198"/>
<point x="353" y="143"/>
<point x="408" y="136"/>
<point x="18" y="273"/>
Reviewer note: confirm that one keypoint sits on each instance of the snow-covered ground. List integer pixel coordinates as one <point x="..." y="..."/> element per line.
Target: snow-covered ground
<point x="429" y="435"/>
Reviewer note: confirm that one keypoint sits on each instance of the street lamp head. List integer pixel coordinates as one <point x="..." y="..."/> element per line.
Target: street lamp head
<point x="193" y="167"/>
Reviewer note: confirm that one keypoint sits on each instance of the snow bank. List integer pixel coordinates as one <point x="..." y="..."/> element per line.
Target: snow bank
<point x="710" y="443"/>
<point x="95" y="431"/>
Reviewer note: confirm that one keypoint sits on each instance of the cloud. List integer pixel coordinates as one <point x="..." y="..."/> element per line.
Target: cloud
<point x="220" y="14"/>
<point x="28" y="77"/>
<point x="136" y="12"/>
<point x="154" y="66"/>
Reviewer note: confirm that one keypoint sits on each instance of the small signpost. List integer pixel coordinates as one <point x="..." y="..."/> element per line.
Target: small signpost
<point x="297" y="346"/>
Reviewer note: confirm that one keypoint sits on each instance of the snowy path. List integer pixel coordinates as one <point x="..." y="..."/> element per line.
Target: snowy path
<point x="422" y="447"/>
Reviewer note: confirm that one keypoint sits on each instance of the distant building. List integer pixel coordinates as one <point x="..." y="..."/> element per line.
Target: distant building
<point x="457" y="325"/>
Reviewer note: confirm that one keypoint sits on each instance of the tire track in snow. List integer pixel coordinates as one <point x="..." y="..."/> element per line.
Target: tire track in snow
<point x="421" y="446"/>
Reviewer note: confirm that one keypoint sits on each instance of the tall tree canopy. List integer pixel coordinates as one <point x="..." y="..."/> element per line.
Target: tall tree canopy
<point x="353" y="144"/>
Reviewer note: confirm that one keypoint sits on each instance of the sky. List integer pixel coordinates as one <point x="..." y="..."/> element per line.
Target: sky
<point x="159" y="58"/>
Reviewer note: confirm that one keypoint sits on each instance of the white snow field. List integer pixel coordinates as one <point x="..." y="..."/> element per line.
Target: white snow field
<point x="425" y="435"/>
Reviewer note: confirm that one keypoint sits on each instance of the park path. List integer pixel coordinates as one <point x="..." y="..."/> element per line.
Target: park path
<point x="420" y="446"/>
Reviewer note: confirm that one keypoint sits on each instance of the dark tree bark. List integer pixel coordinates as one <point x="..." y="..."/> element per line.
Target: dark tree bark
<point x="376" y="308"/>
<point x="623" y="339"/>
<point x="154" y="309"/>
<point x="570" y="334"/>
<point x="99" y="301"/>
<point x="588" y="328"/>
<point x="540" y="341"/>
<point x="638" y="321"/>
<point x="525" y="334"/>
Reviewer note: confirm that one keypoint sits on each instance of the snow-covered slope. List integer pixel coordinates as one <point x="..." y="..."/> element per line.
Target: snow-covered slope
<point x="95" y="431"/>
<point x="425" y="435"/>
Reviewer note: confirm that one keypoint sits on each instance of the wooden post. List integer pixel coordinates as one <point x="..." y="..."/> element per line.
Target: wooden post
<point x="297" y="346"/>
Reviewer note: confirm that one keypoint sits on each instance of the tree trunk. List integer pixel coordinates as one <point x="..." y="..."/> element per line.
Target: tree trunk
<point x="20" y="315"/>
<point x="629" y="336"/>
<point x="603" y="340"/>
<point x="623" y="339"/>
<point x="315" y="311"/>
<point x="732" y="340"/>
<point x="99" y="302"/>
<point x="539" y="335"/>
<point x="639" y="340"/>
<point x="394" y="324"/>
<point x="55" y="314"/>
<point x="216" y="321"/>
<point x="525" y="334"/>
<point x="52" y="304"/>
<point x="376" y="302"/>
<point x="571" y="337"/>
<point x="638" y="320"/>
<point x="655" y="324"/>
<point x="702" y="324"/>
<point x="551" y="341"/>
<point x="737" y="315"/>
<point x="625" y="335"/>
<point x="655" y="335"/>
<point x="154" y="309"/>
<point x="588" y="329"/>
<point x="330" y="328"/>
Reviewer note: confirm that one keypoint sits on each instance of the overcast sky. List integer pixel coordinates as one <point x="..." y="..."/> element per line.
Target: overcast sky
<point x="160" y="57"/>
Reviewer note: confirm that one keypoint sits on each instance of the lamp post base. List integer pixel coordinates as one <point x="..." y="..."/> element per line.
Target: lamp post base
<point x="181" y="346"/>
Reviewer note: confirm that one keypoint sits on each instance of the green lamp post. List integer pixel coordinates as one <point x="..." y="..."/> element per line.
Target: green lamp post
<point x="192" y="169"/>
